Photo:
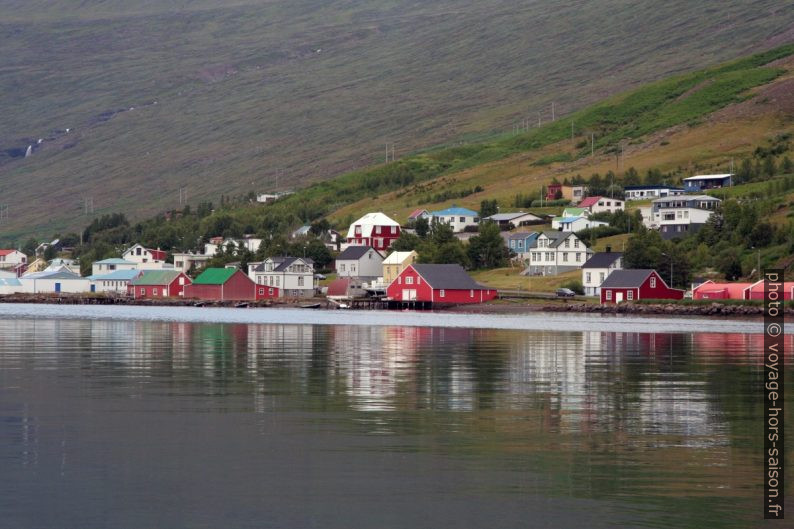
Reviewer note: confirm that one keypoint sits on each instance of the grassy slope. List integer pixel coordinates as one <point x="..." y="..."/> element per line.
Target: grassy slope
<point x="242" y="92"/>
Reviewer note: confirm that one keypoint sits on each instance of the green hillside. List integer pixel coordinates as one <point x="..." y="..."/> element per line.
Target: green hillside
<point x="259" y="94"/>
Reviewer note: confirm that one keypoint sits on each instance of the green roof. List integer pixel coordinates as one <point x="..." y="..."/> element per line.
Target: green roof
<point x="214" y="276"/>
<point x="156" y="277"/>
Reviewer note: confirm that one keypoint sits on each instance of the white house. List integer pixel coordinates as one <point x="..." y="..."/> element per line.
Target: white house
<point x="517" y="219"/>
<point x="602" y="204"/>
<point x="249" y="243"/>
<point x="598" y="268"/>
<point x="458" y="218"/>
<point x="359" y="262"/>
<point x="115" y="282"/>
<point x="294" y="276"/>
<point x="651" y="192"/>
<point x="13" y="260"/>
<point x="681" y="215"/>
<point x="145" y="258"/>
<point x="106" y="266"/>
<point x="55" y="281"/>
<point x="555" y="252"/>
<point x="184" y="261"/>
<point x="574" y="224"/>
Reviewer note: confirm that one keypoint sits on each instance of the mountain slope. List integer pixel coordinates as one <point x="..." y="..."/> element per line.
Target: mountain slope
<point x="248" y="90"/>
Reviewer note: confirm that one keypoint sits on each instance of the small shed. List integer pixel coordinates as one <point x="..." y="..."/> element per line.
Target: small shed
<point x="636" y="284"/>
<point x="158" y="284"/>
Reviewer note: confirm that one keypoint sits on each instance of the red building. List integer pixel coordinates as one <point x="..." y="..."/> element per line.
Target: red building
<point x="712" y="290"/>
<point x="437" y="284"/>
<point x="756" y="291"/>
<point x="373" y="229"/>
<point x="158" y="284"/>
<point x="636" y="284"/>
<point x="552" y="191"/>
<point x="229" y="284"/>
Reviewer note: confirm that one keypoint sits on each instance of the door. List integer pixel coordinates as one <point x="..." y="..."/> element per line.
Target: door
<point x="57" y="287"/>
<point x="618" y="297"/>
<point x="409" y="294"/>
<point x="93" y="288"/>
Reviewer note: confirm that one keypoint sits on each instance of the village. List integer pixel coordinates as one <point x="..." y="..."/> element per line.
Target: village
<point x="367" y="271"/>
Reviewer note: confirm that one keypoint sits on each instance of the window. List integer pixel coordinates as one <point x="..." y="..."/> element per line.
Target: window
<point x="601" y="277"/>
<point x="181" y="281"/>
<point x="418" y="280"/>
<point x="270" y="291"/>
<point x="609" y="295"/>
<point x="143" y="292"/>
<point x="300" y="281"/>
<point x="400" y="280"/>
<point x="576" y="243"/>
<point x="394" y="230"/>
<point x="277" y="280"/>
<point x="409" y="280"/>
<point x="261" y="291"/>
<point x="630" y="295"/>
<point x="352" y="267"/>
<point x="471" y="293"/>
<point x="587" y="277"/>
<point x="565" y="257"/>
<point x="377" y="230"/>
<point x="653" y="282"/>
<point x="342" y="267"/>
<point x="567" y="243"/>
<point x="442" y="293"/>
<point x="578" y="257"/>
<point x="463" y="219"/>
<point x="154" y="292"/>
<point x="137" y="251"/>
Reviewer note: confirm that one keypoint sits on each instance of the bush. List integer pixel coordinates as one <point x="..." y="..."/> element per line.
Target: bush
<point x="549" y="203"/>
<point x="575" y="285"/>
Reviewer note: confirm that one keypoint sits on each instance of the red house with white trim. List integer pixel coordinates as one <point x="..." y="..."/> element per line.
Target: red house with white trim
<point x="636" y="284"/>
<point x="229" y="284"/>
<point x="437" y="284"/>
<point x="373" y="229"/>
<point x="158" y="284"/>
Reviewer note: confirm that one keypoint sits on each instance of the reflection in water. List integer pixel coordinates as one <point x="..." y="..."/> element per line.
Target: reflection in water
<point x="657" y="429"/>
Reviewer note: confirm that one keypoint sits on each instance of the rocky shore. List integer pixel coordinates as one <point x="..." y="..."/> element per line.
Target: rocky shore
<point x="87" y="299"/>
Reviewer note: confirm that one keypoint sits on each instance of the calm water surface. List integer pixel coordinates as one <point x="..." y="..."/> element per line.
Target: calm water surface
<point x="594" y="423"/>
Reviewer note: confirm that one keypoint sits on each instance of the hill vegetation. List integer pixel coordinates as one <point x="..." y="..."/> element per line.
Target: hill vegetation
<point x="230" y="96"/>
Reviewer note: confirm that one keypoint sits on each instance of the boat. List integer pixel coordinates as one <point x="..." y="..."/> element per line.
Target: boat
<point x="310" y="306"/>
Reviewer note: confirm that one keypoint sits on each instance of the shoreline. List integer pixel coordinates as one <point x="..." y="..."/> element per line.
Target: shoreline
<point x="509" y="308"/>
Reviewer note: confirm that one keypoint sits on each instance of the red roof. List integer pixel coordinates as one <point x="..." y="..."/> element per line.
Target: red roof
<point x="6" y="252"/>
<point x="416" y="213"/>
<point x="758" y="286"/>
<point x="589" y="202"/>
<point x="734" y="290"/>
<point x="339" y="287"/>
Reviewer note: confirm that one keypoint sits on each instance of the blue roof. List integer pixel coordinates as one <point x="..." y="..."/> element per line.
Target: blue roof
<point x="114" y="260"/>
<point x="456" y="211"/>
<point x="566" y="220"/>
<point x="116" y="275"/>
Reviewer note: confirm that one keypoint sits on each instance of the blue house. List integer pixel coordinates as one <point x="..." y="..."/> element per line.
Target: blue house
<point x="520" y="243"/>
<point x="707" y="181"/>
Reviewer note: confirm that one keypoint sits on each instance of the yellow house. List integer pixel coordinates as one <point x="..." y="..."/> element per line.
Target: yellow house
<point x="395" y="263"/>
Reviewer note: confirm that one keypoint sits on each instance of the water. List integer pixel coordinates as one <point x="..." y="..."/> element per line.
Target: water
<point x="107" y="420"/>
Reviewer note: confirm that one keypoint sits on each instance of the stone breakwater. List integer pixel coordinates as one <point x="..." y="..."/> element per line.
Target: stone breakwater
<point x="79" y="299"/>
<point x="712" y="309"/>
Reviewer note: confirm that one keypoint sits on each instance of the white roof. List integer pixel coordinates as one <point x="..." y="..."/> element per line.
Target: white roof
<point x="709" y="177"/>
<point x="396" y="258"/>
<point x="368" y="221"/>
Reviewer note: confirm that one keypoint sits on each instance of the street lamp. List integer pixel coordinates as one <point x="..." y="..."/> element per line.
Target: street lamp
<point x="671" y="268"/>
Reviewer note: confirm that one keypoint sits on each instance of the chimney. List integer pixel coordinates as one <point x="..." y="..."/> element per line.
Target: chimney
<point x="609" y="249"/>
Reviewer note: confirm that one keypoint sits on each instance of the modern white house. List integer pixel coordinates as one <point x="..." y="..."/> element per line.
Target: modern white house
<point x="359" y="262"/>
<point x="458" y="218"/>
<point x="185" y="261"/>
<point x="651" y="192"/>
<point x="555" y="252"/>
<point x="598" y="268"/>
<point x="294" y="276"/>
<point x="116" y="282"/>
<point x="681" y="215"/>
<point x="707" y="181"/>
<point x="602" y="204"/>
<point x="106" y="266"/>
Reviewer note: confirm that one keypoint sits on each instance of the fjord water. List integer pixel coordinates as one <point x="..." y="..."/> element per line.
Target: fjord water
<point x="128" y="423"/>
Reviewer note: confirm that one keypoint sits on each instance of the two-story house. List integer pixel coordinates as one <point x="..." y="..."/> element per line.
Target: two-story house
<point x="294" y="276"/>
<point x="145" y="258"/>
<point x="651" y="192"/>
<point x="681" y="215"/>
<point x="373" y="229"/>
<point x="598" y="268"/>
<point x="395" y="263"/>
<point x="602" y="204"/>
<point x="520" y="243"/>
<point x="13" y="260"/>
<point x="106" y="266"/>
<point x="555" y="252"/>
<point x="359" y="262"/>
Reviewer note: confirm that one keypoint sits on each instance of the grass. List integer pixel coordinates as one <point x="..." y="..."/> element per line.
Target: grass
<point x="246" y="102"/>
<point x="510" y="279"/>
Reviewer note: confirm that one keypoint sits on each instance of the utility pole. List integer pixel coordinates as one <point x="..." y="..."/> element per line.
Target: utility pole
<point x="3" y="213"/>
<point x="592" y="144"/>
<point x="538" y="118"/>
<point x="552" y="110"/>
<point x="88" y="205"/>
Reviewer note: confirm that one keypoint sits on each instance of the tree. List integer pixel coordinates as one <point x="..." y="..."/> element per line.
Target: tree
<point x="406" y="242"/>
<point x="422" y="227"/>
<point x="769" y="166"/>
<point x="488" y="208"/>
<point x="786" y="166"/>
<point x="488" y="250"/>
<point x="644" y="250"/>
<point x="729" y="264"/>
<point x="29" y="248"/>
<point x="319" y="253"/>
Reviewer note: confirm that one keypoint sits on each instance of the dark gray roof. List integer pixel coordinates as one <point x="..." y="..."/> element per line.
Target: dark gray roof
<point x="354" y="252"/>
<point x="602" y="260"/>
<point x="282" y="263"/>
<point x="447" y="276"/>
<point x="557" y="237"/>
<point x="626" y="278"/>
<point x="522" y="235"/>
